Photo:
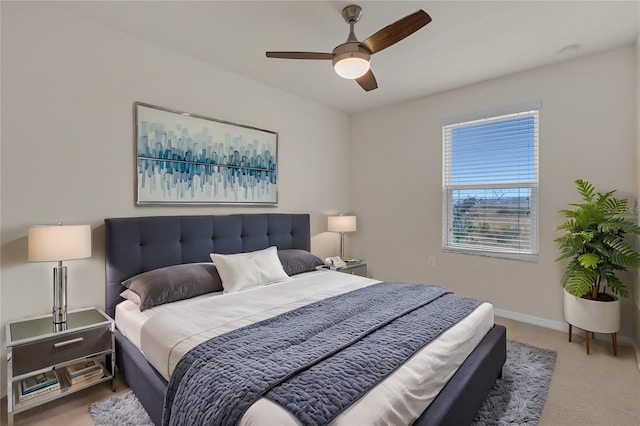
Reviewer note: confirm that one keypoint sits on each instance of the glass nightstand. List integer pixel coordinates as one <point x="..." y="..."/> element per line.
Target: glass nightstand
<point x="34" y="346"/>
<point x="358" y="267"/>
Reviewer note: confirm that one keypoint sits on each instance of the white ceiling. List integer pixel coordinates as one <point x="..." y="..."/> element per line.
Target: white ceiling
<point x="467" y="41"/>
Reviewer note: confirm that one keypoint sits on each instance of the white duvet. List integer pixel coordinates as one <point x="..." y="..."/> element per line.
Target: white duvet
<point x="165" y="333"/>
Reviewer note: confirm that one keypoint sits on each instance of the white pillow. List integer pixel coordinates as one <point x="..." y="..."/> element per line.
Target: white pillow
<point x="131" y="295"/>
<point x="245" y="270"/>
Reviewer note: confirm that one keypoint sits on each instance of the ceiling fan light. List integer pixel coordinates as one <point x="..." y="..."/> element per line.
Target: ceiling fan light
<point x="352" y="66"/>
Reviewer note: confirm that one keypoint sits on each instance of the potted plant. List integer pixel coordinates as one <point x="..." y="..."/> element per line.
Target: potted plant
<point x="594" y="242"/>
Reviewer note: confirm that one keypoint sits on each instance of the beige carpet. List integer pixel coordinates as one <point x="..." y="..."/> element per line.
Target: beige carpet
<point x="596" y="389"/>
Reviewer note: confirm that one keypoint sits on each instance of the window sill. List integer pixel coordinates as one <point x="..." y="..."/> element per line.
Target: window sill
<point x="501" y="255"/>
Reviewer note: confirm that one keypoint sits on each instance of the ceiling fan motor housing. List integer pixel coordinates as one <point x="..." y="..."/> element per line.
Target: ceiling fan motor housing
<point x="350" y="50"/>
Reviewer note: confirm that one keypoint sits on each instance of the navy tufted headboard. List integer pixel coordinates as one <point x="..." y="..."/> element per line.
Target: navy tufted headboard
<point x="140" y="244"/>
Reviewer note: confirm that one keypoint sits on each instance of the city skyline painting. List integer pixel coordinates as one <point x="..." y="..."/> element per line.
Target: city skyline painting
<point x="190" y="159"/>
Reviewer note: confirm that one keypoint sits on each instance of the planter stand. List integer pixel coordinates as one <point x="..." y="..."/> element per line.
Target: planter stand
<point x="614" y="339"/>
<point x="593" y="317"/>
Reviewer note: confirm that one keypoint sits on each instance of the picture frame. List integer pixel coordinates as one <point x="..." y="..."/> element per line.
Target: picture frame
<point x="189" y="159"/>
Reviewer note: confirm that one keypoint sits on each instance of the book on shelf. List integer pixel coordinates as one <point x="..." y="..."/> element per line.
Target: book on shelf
<point x="38" y="385"/>
<point x="86" y="377"/>
<point x="83" y="367"/>
<point x="38" y="381"/>
<point x="38" y="393"/>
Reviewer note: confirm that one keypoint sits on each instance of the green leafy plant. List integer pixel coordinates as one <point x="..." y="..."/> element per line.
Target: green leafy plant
<point x="594" y="241"/>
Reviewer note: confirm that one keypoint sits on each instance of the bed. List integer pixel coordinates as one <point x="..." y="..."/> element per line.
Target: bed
<point x="139" y="244"/>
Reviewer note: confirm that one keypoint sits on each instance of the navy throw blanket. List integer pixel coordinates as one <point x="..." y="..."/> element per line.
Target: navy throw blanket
<point x="316" y="360"/>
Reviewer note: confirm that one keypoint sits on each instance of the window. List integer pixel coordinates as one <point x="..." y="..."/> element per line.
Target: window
<point x="490" y="185"/>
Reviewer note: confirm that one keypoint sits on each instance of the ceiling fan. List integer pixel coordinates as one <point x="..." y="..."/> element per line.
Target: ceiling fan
<point x="351" y="59"/>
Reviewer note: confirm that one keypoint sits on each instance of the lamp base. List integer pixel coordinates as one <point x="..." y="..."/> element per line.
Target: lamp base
<point x="59" y="327"/>
<point x="60" y="295"/>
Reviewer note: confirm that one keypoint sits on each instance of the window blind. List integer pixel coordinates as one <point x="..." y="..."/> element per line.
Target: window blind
<point x="490" y="185"/>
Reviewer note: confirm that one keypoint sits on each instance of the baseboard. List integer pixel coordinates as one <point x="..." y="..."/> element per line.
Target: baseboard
<point x="556" y="325"/>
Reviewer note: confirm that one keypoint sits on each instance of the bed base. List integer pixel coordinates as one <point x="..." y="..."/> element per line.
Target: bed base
<point x="144" y="380"/>
<point x="461" y="398"/>
<point x="457" y="403"/>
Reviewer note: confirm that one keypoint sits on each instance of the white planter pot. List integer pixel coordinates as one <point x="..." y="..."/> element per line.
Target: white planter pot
<point x="591" y="315"/>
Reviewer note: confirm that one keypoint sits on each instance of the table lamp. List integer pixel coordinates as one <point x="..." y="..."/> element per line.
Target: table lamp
<point x="55" y="243"/>
<point x="341" y="224"/>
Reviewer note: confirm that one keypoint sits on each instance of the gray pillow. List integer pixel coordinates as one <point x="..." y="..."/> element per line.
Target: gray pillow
<point x="295" y="261"/>
<point x="174" y="283"/>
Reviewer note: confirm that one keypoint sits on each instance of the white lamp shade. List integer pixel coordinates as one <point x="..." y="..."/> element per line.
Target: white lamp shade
<point x="341" y="224"/>
<point x="57" y="242"/>
<point x="351" y="67"/>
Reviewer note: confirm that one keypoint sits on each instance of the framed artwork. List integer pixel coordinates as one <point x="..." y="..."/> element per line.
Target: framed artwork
<point x="186" y="159"/>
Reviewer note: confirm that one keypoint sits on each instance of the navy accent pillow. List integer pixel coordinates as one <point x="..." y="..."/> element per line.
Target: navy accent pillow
<point x="173" y="283"/>
<point x="295" y="261"/>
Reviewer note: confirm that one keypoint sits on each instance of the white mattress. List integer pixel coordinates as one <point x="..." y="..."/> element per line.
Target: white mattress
<point x="167" y="332"/>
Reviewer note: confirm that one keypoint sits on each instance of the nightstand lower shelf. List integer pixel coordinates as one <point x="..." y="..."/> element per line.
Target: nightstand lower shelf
<point x="66" y="389"/>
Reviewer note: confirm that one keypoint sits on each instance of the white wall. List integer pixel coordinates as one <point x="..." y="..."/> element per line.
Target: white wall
<point x="68" y="86"/>
<point x="587" y="130"/>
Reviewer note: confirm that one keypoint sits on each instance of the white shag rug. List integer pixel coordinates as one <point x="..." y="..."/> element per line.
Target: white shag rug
<point x="121" y="410"/>
<point x="516" y="399"/>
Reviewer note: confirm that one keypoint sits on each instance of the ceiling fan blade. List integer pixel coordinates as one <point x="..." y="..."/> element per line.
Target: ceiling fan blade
<point x="391" y="34"/>
<point x="299" y="55"/>
<point x="368" y="81"/>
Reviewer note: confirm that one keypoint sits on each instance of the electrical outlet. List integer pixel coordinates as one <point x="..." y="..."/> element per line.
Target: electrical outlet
<point x="431" y="261"/>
